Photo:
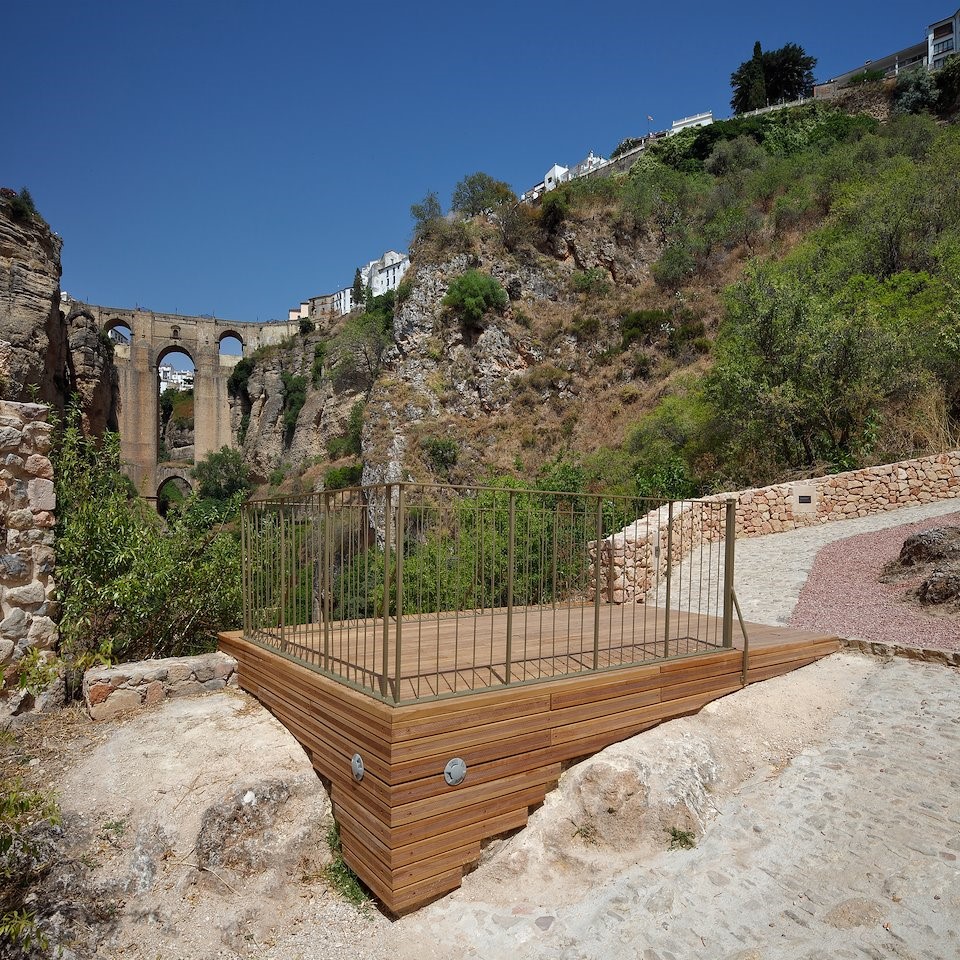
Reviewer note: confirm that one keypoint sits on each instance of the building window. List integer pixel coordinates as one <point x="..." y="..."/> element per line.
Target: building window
<point x="943" y="46"/>
<point x="944" y="30"/>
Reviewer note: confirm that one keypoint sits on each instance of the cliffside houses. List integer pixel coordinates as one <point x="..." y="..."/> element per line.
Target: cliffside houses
<point x="379" y="275"/>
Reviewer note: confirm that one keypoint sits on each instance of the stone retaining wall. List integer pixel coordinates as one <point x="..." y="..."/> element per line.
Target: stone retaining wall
<point x="108" y="691"/>
<point x="27" y="518"/>
<point x="634" y="558"/>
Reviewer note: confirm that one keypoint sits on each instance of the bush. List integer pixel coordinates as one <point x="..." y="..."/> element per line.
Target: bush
<point x="294" y="397"/>
<point x="480" y="193"/>
<point x="675" y="266"/>
<point x="644" y="326"/>
<point x="128" y="587"/>
<point x="240" y="376"/>
<point x="337" y="478"/>
<point x="349" y="443"/>
<point x="474" y="294"/>
<point x="916" y="91"/>
<point x="222" y="475"/>
<point x="866" y="76"/>
<point x="22" y="207"/>
<point x="948" y="84"/>
<point x="316" y="367"/>
<point x="442" y="454"/>
<point x="306" y="326"/>
<point x="591" y="282"/>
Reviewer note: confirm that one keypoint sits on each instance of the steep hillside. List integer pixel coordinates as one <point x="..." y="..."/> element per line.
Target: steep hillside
<point x="758" y="299"/>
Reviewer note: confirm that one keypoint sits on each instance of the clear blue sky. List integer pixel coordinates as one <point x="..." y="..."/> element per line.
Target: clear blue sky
<point x="235" y="158"/>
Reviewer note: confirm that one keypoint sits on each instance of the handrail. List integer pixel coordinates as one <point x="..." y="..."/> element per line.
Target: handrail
<point x="413" y="591"/>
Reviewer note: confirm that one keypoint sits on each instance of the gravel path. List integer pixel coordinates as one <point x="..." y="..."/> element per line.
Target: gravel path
<point x="843" y="592"/>
<point x="772" y="570"/>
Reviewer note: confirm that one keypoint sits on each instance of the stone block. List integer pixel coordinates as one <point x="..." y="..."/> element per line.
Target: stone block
<point x="154" y="693"/>
<point x="37" y="436"/>
<point x="43" y="496"/>
<point x="10" y="439"/>
<point x="6" y="650"/>
<point x="39" y="466"/>
<point x="20" y="519"/>
<point x="120" y="701"/>
<point x="26" y="596"/>
<point x="42" y="633"/>
<point x="189" y="688"/>
<point x="14" y="625"/>
<point x="98" y="692"/>
<point x="15" y="568"/>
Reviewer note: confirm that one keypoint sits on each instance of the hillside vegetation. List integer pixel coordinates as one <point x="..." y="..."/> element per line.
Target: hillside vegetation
<point x="759" y="299"/>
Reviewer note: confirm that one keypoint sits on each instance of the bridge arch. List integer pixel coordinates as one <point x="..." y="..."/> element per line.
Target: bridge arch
<point x="172" y="488"/>
<point x="119" y="331"/>
<point x="230" y="338"/>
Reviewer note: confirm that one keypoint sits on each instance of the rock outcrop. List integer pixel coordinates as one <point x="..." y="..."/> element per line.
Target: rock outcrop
<point x="46" y="355"/>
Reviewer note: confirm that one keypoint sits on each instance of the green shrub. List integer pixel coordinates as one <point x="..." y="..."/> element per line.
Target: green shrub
<point x="277" y="475"/>
<point x="129" y="588"/>
<point x="222" y="475"/>
<point x="555" y="209"/>
<point x="294" y="397"/>
<point x="866" y="76"/>
<point x="337" y="478"/>
<point x="916" y="91"/>
<point x="22" y="207"/>
<point x="675" y="266"/>
<point x="307" y="326"/>
<point x="239" y="377"/>
<point x="349" y="444"/>
<point x="593" y="282"/>
<point x="316" y="367"/>
<point x="26" y="851"/>
<point x="441" y="453"/>
<point x="473" y="295"/>
<point x="644" y="326"/>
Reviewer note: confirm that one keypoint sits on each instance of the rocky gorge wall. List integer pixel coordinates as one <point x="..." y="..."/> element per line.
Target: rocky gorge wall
<point x="44" y="354"/>
<point x="27" y="518"/>
<point x="633" y="559"/>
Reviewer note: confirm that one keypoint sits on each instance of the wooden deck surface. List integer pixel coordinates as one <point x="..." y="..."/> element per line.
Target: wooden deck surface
<point x="441" y="655"/>
<point x="409" y="835"/>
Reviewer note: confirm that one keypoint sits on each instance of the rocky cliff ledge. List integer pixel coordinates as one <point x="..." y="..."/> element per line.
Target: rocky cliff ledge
<point x="45" y="355"/>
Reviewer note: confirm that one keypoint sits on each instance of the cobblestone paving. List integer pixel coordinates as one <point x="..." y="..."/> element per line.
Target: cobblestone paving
<point x="851" y="851"/>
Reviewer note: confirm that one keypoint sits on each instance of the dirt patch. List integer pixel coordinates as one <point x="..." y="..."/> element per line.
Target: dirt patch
<point x="855" y="590"/>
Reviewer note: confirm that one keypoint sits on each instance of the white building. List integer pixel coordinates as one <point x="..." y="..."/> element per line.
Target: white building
<point x="942" y="40"/>
<point x="379" y="275"/>
<point x="171" y="379"/>
<point x="697" y="120"/>
<point x="587" y="165"/>
<point x="555" y="176"/>
<point x="386" y="273"/>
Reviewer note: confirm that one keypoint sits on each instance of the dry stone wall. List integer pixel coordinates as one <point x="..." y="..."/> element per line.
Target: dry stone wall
<point x="109" y="691"/>
<point x="27" y="518"/>
<point x="633" y="559"/>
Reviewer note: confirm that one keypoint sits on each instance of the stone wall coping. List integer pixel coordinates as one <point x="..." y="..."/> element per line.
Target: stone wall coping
<point x="109" y="691"/>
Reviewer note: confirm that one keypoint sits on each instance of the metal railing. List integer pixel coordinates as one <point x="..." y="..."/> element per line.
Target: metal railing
<point x="414" y="591"/>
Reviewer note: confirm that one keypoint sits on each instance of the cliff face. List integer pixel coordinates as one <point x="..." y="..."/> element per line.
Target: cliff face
<point x="43" y="354"/>
<point x="511" y="387"/>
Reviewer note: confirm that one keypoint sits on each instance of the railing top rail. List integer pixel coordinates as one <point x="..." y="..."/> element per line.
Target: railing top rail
<point x="302" y="499"/>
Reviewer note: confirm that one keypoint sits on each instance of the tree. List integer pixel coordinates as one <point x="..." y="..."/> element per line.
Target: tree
<point x="424" y="213"/>
<point x="479" y="193"/>
<point x="748" y="83"/>
<point x="221" y="475"/>
<point x="357" y="292"/>
<point x="772" y="76"/>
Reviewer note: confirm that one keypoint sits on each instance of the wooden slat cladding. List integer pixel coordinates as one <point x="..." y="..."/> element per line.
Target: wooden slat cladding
<point x="409" y="835"/>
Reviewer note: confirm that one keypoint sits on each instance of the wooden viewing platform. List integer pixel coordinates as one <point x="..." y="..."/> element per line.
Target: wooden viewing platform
<point x="406" y="832"/>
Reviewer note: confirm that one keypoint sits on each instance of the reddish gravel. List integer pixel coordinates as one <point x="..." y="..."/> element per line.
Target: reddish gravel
<point x="843" y="593"/>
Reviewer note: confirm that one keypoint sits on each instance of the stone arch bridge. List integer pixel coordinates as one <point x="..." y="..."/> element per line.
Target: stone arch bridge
<point x="152" y="337"/>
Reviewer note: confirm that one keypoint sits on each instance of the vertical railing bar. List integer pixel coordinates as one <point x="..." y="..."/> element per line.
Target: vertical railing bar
<point x="283" y="580"/>
<point x="729" y="547"/>
<point x="669" y="564"/>
<point x="511" y="546"/>
<point x="597" y="565"/>
<point x="397" y="696"/>
<point x="387" y="516"/>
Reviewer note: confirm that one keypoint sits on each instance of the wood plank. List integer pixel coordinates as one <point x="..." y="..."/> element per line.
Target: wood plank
<point x="479" y="795"/>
